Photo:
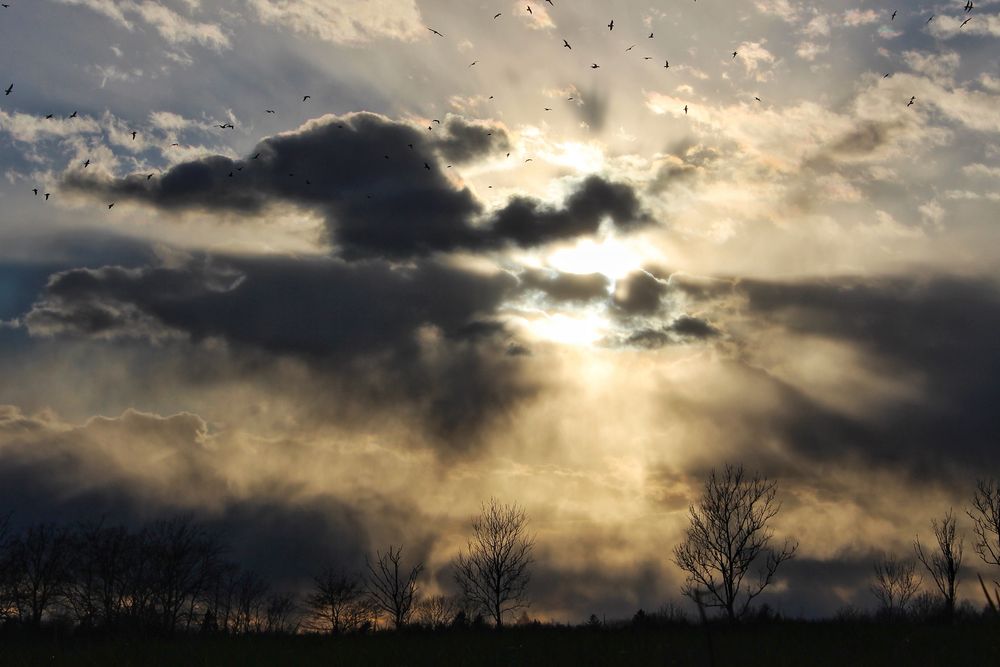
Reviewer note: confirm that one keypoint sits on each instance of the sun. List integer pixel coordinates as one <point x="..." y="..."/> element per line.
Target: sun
<point x="609" y="257"/>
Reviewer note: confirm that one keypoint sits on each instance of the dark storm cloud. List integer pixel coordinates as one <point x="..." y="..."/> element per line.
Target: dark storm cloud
<point x="639" y="293"/>
<point x="940" y="331"/>
<point x="682" y="329"/>
<point x="377" y="194"/>
<point x="465" y="141"/>
<point x="567" y="286"/>
<point x="421" y="335"/>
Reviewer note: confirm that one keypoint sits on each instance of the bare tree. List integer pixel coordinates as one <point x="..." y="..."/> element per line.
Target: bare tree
<point x="985" y="515"/>
<point x="41" y="559"/>
<point x="390" y="588"/>
<point x="895" y="584"/>
<point x="336" y="603"/>
<point x="945" y="563"/>
<point x="280" y="615"/>
<point x="493" y="571"/>
<point x="729" y="534"/>
<point x="437" y="611"/>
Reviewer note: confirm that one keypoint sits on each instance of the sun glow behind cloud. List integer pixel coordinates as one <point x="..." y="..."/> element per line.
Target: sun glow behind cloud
<point x="610" y="257"/>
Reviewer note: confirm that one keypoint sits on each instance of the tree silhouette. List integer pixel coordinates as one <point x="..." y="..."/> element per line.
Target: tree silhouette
<point x="729" y="534"/>
<point x="392" y="590"/>
<point x="985" y="515"/>
<point x="895" y="584"/>
<point x="945" y="563"/>
<point x="336" y="603"/>
<point x="493" y="571"/>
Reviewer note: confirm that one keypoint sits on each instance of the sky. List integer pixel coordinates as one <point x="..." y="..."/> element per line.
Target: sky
<point x="470" y="264"/>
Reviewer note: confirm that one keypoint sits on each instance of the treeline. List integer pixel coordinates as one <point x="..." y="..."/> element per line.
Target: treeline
<point x="171" y="576"/>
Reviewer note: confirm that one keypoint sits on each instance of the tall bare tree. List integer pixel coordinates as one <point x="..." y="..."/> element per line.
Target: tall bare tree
<point x="985" y="515"/>
<point x="895" y="584"/>
<point x="730" y="536"/>
<point x="493" y="572"/>
<point x="391" y="589"/>
<point x="437" y="611"/>
<point x="945" y="563"/>
<point x="336" y="603"/>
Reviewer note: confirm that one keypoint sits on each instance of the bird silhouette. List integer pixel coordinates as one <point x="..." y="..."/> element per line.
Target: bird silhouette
<point x="912" y="100"/>
<point x="964" y="22"/>
<point x="629" y="48"/>
<point x="72" y="115"/>
<point x="269" y="111"/>
<point x="931" y="18"/>
<point x="47" y="195"/>
<point x="35" y="190"/>
<point x="427" y="166"/>
<point x="685" y="109"/>
<point x="9" y="90"/>
<point x="435" y="32"/>
<point x="496" y="16"/>
<point x="893" y="17"/>
<point x="255" y="156"/>
<point x="111" y="206"/>
<point x="306" y="97"/>
<point x="529" y="9"/>
<point x="650" y="35"/>
<point x="49" y="117"/>
<point x="595" y="66"/>
<point x="133" y="135"/>
<point x="566" y="44"/>
<point x="735" y="53"/>
<point x="86" y="164"/>
<point x="148" y="176"/>
<point x="666" y="64"/>
<point x="473" y="63"/>
<point x="550" y="2"/>
<point x="611" y="26"/>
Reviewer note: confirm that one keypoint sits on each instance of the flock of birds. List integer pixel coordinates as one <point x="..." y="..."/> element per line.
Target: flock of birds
<point x="968" y="9"/>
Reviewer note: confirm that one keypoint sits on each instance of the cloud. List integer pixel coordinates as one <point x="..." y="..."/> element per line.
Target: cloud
<point x="426" y="325"/>
<point x="345" y="21"/>
<point x="381" y="188"/>
<point x="172" y="26"/>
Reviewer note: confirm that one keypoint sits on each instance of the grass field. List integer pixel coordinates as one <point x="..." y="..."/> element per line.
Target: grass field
<point x="785" y="643"/>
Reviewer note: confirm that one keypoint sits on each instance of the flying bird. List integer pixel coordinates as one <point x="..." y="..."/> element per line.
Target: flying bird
<point x="566" y="44"/>
<point x="47" y="195"/>
<point x="529" y="9"/>
<point x="35" y="190"/>
<point x="910" y="103"/>
<point x="530" y="160"/>
<point x="497" y="15"/>
<point x="965" y="21"/>
<point x="473" y="63"/>
<point x="148" y="176"/>
<point x="435" y="32"/>
<point x="255" y="156"/>
<point x="969" y="7"/>
<point x="757" y="98"/>
<point x="133" y="135"/>
<point x="548" y="109"/>
<point x="72" y="115"/>
<point x="611" y="26"/>
<point x="49" y="117"/>
<point x="550" y="2"/>
<point x="666" y="64"/>
<point x="86" y="164"/>
<point x="268" y="110"/>
<point x="306" y="97"/>
<point x="9" y="90"/>
<point x="685" y="109"/>
<point x="886" y="75"/>
<point x="427" y="166"/>
<point x="893" y="17"/>
<point x="735" y="54"/>
<point x="111" y="206"/>
<point x="629" y="48"/>
<point x="650" y="35"/>
<point x="931" y="18"/>
<point x="595" y="66"/>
